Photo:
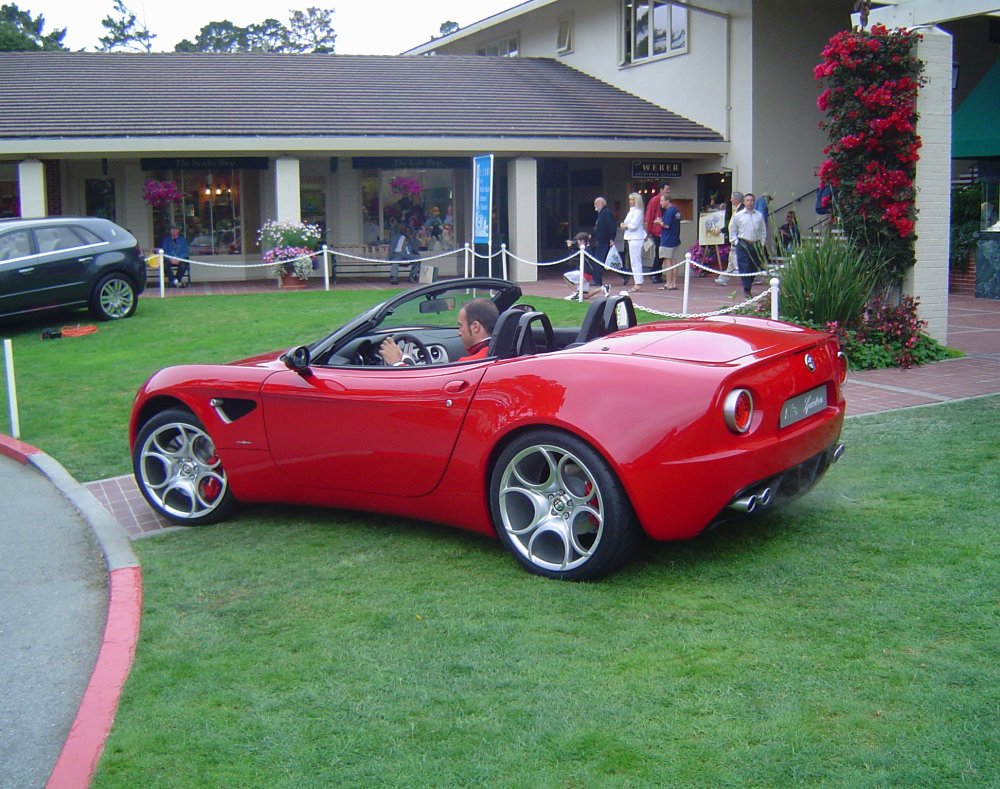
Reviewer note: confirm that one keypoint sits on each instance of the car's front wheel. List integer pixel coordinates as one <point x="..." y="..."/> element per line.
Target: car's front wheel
<point x="560" y="509"/>
<point x="114" y="297"/>
<point x="178" y="470"/>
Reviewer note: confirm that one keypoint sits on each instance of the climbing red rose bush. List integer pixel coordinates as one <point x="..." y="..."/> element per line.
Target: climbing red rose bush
<point x="871" y="79"/>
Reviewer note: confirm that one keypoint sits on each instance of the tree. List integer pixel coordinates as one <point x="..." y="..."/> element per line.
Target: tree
<point x="311" y="30"/>
<point x="308" y="31"/>
<point x="20" y="32"/>
<point x="268" y="36"/>
<point x="125" y="32"/>
<point x="216" y="37"/>
<point x="447" y="28"/>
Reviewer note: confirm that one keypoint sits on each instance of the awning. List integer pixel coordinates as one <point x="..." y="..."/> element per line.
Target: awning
<point x="975" y="126"/>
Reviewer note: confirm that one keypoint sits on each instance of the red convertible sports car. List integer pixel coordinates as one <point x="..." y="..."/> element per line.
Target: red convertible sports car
<point x="568" y="443"/>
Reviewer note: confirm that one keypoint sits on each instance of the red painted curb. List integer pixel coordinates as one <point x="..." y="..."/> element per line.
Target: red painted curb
<point x="17" y="450"/>
<point x="83" y="747"/>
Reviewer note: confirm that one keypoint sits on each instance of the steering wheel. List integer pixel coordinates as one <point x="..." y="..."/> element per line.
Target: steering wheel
<point x="413" y="348"/>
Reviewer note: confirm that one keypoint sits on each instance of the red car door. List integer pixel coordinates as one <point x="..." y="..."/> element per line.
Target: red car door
<point x="382" y="430"/>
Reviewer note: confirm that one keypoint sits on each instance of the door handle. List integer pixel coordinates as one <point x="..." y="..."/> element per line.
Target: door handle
<point x="86" y="259"/>
<point x="454" y="387"/>
<point x="26" y="270"/>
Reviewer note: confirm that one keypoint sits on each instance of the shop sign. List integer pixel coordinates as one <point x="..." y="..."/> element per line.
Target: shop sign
<point x="206" y="163"/>
<point x="650" y="169"/>
<point x="410" y="163"/>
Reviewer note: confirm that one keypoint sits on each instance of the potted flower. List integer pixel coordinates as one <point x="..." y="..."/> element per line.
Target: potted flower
<point x="289" y="248"/>
<point x="290" y="264"/>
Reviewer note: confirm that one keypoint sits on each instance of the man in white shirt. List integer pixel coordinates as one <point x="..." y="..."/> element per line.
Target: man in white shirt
<point x="737" y="200"/>
<point x="752" y="234"/>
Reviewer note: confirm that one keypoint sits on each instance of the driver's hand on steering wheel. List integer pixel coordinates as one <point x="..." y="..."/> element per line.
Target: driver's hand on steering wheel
<point x="390" y="352"/>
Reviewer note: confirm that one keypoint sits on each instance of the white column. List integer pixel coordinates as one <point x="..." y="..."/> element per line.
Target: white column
<point x="31" y="185"/>
<point x="287" y="205"/>
<point x="928" y="279"/>
<point x="522" y="213"/>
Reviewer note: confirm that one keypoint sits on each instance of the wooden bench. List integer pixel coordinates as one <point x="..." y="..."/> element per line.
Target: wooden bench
<point x="153" y="263"/>
<point x="372" y="255"/>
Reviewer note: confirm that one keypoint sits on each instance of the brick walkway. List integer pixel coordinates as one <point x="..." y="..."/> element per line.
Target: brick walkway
<point x="973" y="327"/>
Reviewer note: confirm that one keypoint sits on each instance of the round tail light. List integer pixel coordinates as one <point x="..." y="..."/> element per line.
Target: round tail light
<point x="738" y="410"/>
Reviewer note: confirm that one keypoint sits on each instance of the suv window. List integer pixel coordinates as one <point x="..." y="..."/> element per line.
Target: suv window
<point x="15" y="244"/>
<point x="53" y="239"/>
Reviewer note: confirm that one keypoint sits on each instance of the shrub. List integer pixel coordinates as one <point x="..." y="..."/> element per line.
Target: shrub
<point x="827" y="281"/>
<point x="888" y="336"/>
<point x="966" y="215"/>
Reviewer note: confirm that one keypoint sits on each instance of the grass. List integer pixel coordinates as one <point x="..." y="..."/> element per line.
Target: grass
<point x="848" y="640"/>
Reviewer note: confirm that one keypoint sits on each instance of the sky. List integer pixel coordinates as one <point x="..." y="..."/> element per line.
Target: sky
<point x="363" y="27"/>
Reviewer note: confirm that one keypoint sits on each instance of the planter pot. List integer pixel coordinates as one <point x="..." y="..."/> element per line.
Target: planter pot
<point x="291" y="282"/>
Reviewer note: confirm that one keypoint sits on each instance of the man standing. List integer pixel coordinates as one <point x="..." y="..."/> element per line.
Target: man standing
<point x="653" y="211"/>
<point x="737" y="202"/>
<point x="603" y="236"/>
<point x="670" y="240"/>
<point x="749" y="227"/>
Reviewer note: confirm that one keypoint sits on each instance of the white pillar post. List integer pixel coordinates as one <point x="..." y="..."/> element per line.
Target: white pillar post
<point x="522" y="213"/>
<point x="31" y="185"/>
<point x="287" y="206"/>
<point x="928" y="279"/>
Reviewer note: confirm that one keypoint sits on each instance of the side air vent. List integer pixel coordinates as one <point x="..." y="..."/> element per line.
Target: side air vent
<point x="232" y="409"/>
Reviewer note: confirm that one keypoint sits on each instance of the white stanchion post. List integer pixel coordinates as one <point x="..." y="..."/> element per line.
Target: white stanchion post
<point x="163" y="273"/>
<point x="687" y="282"/>
<point x="775" y="291"/>
<point x="466" y="259"/>
<point x="8" y="354"/>
<point x="503" y="260"/>
<point x="326" y="267"/>
<point x="579" y="287"/>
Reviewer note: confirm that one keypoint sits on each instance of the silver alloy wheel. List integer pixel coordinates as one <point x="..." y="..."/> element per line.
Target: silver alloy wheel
<point x="116" y="298"/>
<point x="179" y="469"/>
<point x="551" y="507"/>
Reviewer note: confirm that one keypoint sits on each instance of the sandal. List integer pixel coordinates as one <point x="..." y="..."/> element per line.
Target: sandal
<point x="635" y="289"/>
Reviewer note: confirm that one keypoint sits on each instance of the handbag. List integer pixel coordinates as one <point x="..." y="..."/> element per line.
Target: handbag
<point x="614" y="260"/>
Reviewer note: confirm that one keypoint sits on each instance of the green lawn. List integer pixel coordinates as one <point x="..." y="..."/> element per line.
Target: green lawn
<point x="851" y="639"/>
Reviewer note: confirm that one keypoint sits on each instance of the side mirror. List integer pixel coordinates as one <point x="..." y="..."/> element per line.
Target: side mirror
<point x="297" y="359"/>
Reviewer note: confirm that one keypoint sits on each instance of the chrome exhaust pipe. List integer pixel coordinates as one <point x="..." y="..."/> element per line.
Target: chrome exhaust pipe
<point x="745" y="504"/>
<point x="838" y="452"/>
<point x="764" y="497"/>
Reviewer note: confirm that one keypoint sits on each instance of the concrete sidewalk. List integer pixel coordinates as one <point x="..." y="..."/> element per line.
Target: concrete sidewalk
<point x="71" y="592"/>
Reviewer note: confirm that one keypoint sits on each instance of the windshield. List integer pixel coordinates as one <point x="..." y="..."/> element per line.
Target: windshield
<point x="439" y="309"/>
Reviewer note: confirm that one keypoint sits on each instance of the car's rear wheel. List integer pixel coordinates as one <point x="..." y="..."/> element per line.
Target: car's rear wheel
<point x="559" y="508"/>
<point x="178" y="470"/>
<point x="113" y="298"/>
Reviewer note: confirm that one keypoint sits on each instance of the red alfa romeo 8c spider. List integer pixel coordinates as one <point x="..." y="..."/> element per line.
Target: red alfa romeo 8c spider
<point x="572" y="444"/>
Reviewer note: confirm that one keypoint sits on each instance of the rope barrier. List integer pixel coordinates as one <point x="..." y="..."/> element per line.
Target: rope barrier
<point x="470" y="254"/>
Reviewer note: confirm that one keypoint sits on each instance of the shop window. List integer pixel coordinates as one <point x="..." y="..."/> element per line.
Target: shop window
<point x="312" y="202"/>
<point x="9" y="205"/>
<point x="422" y="200"/>
<point x="208" y="212"/>
<point x="99" y="198"/>
<point x="653" y="29"/>
<point x="507" y="47"/>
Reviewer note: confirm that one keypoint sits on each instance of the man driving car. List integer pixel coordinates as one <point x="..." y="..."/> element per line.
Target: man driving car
<point x="476" y="320"/>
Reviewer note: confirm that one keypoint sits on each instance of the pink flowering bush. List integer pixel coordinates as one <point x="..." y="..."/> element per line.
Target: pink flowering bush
<point x="160" y="193"/>
<point x="888" y="336"/>
<point x="871" y="81"/>
<point x="298" y="261"/>
<point x="708" y="256"/>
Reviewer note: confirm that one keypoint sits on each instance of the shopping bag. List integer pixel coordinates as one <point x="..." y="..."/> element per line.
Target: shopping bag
<point x="614" y="259"/>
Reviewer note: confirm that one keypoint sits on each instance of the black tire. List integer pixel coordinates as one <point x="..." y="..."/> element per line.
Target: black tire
<point x="559" y="508"/>
<point x="114" y="298"/>
<point x="178" y="471"/>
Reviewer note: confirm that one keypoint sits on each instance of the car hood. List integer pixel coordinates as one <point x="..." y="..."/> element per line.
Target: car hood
<point x="717" y="340"/>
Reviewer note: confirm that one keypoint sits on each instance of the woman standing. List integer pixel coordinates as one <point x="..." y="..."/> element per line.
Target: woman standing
<point x="635" y="234"/>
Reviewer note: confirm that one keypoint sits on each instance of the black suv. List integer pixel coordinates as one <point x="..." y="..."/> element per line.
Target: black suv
<point x="66" y="261"/>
